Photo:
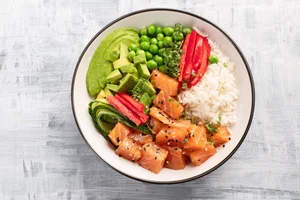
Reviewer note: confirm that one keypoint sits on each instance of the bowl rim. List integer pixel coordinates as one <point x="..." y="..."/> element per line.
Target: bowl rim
<point x="230" y="40"/>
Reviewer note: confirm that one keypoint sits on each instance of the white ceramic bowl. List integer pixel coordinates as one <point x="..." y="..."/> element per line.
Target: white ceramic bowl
<point x="138" y="19"/>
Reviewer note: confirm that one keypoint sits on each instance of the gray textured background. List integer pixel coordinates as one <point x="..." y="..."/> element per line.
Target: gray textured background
<point x="42" y="154"/>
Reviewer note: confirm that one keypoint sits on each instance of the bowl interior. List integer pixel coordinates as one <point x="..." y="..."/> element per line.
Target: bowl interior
<point x="81" y="98"/>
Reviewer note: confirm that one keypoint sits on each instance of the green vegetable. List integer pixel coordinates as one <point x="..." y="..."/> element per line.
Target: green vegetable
<point x="163" y="69"/>
<point x="151" y="29"/>
<point x="131" y="54"/>
<point x="167" y="41"/>
<point x="144" y="38"/>
<point x="143" y="70"/>
<point x="133" y="47"/>
<point x="151" y="64"/>
<point x="178" y="36"/>
<point x="153" y="41"/>
<point x="140" y="52"/>
<point x="153" y="49"/>
<point x="99" y="66"/>
<point x="168" y="31"/>
<point x="159" y="29"/>
<point x="141" y="58"/>
<point x="129" y="69"/>
<point x="149" y="56"/>
<point x="171" y="57"/>
<point x="146" y="100"/>
<point x="105" y="117"/>
<point x="143" y="31"/>
<point x="114" y="76"/>
<point x="159" y="60"/>
<point x="145" y="46"/>
<point x="211" y="128"/>
<point x="219" y="120"/>
<point x="160" y="36"/>
<point x="184" y="86"/>
<point x="141" y="87"/>
<point x="171" y="100"/>
<point x="213" y="59"/>
<point x="186" y="31"/>
<point x="114" y="55"/>
<point x="112" y="87"/>
<point x="160" y="44"/>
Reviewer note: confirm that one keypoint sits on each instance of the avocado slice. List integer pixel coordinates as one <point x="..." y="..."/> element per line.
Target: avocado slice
<point x="144" y="86"/>
<point x="129" y="69"/>
<point x="114" y="76"/>
<point x="121" y="62"/>
<point x="146" y="99"/>
<point x="127" y="83"/>
<point x="101" y="95"/>
<point x="141" y="58"/>
<point x="143" y="70"/>
<point x="112" y="87"/>
<point x="114" y="55"/>
<point x="123" y="51"/>
<point x="107" y="92"/>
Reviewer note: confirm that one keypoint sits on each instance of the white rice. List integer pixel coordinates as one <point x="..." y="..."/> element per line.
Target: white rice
<point x="215" y="96"/>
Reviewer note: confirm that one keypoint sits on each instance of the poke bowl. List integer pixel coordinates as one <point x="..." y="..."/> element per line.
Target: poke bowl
<point x="163" y="95"/>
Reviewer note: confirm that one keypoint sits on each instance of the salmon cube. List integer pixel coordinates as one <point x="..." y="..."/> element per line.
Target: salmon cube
<point x="221" y="137"/>
<point x="164" y="82"/>
<point x="119" y="133"/>
<point x="175" y="159"/>
<point x="140" y="137"/>
<point x="196" y="138"/>
<point x="155" y="125"/>
<point x="200" y="156"/>
<point x="171" y="136"/>
<point x="153" y="157"/>
<point x="168" y="104"/>
<point x="129" y="149"/>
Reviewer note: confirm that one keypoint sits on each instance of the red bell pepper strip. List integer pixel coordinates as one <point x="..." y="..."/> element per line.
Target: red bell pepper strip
<point x="204" y="63"/>
<point x="143" y="118"/>
<point x="189" y="57"/>
<point x="133" y="102"/>
<point x="123" y="109"/>
<point x="197" y="55"/>
<point x="182" y="58"/>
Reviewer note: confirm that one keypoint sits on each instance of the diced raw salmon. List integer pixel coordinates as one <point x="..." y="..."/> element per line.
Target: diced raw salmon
<point x="119" y="133"/>
<point x="164" y="118"/>
<point x="155" y="125"/>
<point x="196" y="138"/>
<point x="129" y="149"/>
<point x="200" y="156"/>
<point x="140" y="137"/>
<point x="164" y="82"/>
<point x="168" y="104"/>
<point x="171" y="136"/>
<point x="153" y="157"/>
<point x="175" y="159"/>
<point x="221" y="137"/>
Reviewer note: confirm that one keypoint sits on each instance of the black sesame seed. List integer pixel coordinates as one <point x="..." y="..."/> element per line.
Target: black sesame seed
<point x="118" y="139"/>
<point x="175" y="149"/>
<point x="229" y="138"/>
<point x="144" y="149"/>
<point x="177" y="141"/>
<point x="155" y="158"/>
<point x="223" y="145"/>
<point x="148" y="145"/>
<point x="166" y="136"/>
<point x="199" y="160"/>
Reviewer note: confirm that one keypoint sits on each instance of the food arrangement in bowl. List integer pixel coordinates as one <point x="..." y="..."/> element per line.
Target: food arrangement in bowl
<point x="165" y="96"/>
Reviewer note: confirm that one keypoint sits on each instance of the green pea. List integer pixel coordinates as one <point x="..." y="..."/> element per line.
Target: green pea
<point x="159" y="60"/>
<point x="145" y="46"/>
<point x="131" y="54"/>
<point x="162" y="69"/>
<point x="153" y="49"/>
<point x="144" y="38"/>
<point x="177" y="36"/>
<point x="153" y="41"/>
<point x="168" y="31"/>
<point x="151" y="29"/>
<point x="159" y="29"/>
<point x="140" y="52"/>
<point x="133" y="47"/>
<point x="161" y="52"/>
<point x="160" y="36"/>
<point x="167" y="41"/>
<point x="149" y="56"/>
<point x="186" y="31"/>
<point x="143" y="31"/>
<point x="213" y="59"/>
<point x="160" y="44"/>
<point x="151" y="64"/>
